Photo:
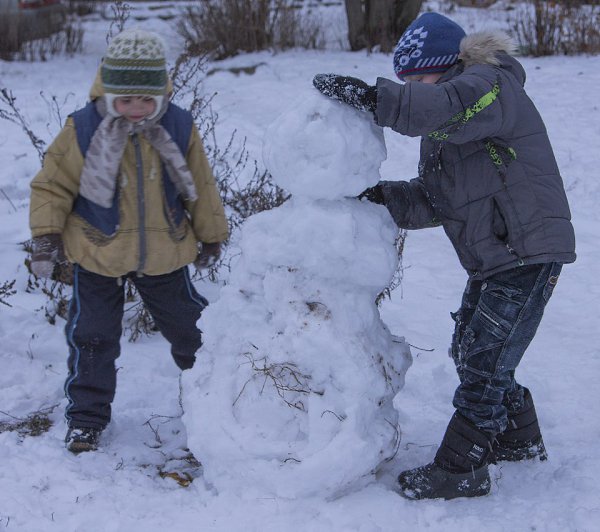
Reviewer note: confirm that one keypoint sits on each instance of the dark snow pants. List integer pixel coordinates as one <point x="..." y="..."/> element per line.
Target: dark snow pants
<point x="94" y="330"/>
<point x="495" y="324"/>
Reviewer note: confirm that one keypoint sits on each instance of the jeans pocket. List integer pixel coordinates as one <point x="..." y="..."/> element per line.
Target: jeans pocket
<point x="502" y="291"/>
<point x="552" y="281"/>
<point x="478" y="355"/>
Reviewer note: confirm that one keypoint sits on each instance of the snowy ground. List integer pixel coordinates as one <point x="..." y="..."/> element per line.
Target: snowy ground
<point x="119" y="488"/>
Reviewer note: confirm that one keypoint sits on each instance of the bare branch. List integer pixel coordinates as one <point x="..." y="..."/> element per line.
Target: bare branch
<point x="9" y="111"/>
<point x="8" y="199"/>
<point x="120" y="14"/>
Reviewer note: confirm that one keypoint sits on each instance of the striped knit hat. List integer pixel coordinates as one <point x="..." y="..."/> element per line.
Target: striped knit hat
<point x="135" y="65"/>
<point x="430" y="44"/>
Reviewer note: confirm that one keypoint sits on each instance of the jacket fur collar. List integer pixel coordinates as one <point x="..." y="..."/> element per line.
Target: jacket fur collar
<point x="483" y="47"/>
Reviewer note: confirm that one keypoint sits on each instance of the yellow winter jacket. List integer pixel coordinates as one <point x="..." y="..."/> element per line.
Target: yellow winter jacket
<point x="151" y="249"/>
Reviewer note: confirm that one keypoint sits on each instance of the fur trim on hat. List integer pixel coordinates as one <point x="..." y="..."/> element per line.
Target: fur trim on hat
<point x="482" y="47"/>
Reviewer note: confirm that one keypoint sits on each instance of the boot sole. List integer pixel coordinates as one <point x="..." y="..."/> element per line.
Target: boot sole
<point x="81" y="447"/>
<point x="445" y="485"/>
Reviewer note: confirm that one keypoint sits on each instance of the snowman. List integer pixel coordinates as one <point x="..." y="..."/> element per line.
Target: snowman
<point x="292" y="392"/>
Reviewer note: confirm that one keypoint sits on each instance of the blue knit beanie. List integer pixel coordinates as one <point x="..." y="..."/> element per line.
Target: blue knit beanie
<point x="430" y="44"/>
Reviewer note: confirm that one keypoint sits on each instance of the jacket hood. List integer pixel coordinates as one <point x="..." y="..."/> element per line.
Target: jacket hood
<point x="494" y="48"/>
<point x="97" y="89"/>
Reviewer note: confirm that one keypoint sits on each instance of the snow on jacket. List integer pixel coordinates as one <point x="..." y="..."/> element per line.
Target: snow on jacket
<point x="151" y="247"/>
<point x="487" y="171"/>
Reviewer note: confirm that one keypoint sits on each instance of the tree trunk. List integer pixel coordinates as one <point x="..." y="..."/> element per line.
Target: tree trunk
<point x="356" y="24"/>
<point x="379" y="23"/>
<point x="405" y="12"/>
<point x="380" y="17"/>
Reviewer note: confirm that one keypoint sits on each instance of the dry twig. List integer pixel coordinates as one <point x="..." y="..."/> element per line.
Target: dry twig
<point x="285" y="377"/>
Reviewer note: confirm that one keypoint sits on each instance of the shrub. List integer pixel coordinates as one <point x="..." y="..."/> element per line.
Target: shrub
<point x="69" y="41"/>
<point x="82" y="8"/>
<point x="242" y="196"/>
<point x="550" y="27"/>
<point x="224" y="28"/>
<point x="475" y="3"/>
<point x="39" y="38"/>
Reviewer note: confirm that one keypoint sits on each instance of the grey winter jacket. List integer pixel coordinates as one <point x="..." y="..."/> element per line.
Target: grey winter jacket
<point x="487" y="172"/>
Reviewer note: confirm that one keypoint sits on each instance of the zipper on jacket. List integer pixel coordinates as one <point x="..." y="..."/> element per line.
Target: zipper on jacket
<point x="520" y="262"/>
<point x="141" y="202"/>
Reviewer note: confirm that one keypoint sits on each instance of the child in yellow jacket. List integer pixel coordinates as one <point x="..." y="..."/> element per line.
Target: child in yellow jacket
<point x="125" y="191"/>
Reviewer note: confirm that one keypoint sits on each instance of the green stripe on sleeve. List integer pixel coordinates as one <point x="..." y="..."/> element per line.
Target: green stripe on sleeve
<point x="460" y="119"/>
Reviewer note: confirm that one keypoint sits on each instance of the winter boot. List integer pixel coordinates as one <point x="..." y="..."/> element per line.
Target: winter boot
<point x="522" y="439"/>
<point x="459" y="469"/>
<point x="79" y="440"/>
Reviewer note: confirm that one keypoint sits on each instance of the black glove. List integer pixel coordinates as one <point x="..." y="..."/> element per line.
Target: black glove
<point x="209" y="254"/>
<point x="353" y="91"/>
<point x="48" y="258"/>
<point x="373" y="194"/>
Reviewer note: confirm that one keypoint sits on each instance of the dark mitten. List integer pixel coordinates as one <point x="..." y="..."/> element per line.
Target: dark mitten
<point x="373" y="194"/>
<point x="352" y="91"/>
<point x="209" y="254"/>
<point x="46" y="252"/>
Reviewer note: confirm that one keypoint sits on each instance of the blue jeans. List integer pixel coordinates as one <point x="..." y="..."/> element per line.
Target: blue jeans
<point x="497" y="320"/>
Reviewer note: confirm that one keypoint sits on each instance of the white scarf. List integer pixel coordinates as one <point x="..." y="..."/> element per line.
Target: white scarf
<point x="103" y="158"/>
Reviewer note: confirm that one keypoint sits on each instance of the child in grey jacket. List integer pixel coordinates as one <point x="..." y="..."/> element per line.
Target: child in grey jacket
<point x="488" y="175"/>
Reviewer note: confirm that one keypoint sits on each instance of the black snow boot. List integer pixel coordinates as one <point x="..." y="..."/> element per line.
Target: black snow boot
<point x="82" y="439"/>
<point x="522" y="439"/>
<point x="459" y="469"/>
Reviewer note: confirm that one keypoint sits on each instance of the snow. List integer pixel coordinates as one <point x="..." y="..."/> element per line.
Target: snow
<point x="318" y="149"/>
<point x="119" y="488"/>
<point x="293" y="396"/>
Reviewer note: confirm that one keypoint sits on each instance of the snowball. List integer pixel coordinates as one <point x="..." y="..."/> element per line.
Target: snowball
<point x="349" y="241"/>
<point x="322" y="148"/>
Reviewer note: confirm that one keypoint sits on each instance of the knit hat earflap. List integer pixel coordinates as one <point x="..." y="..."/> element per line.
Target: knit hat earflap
<point x="430" y="44"/>
<point x="135" y="65"/>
